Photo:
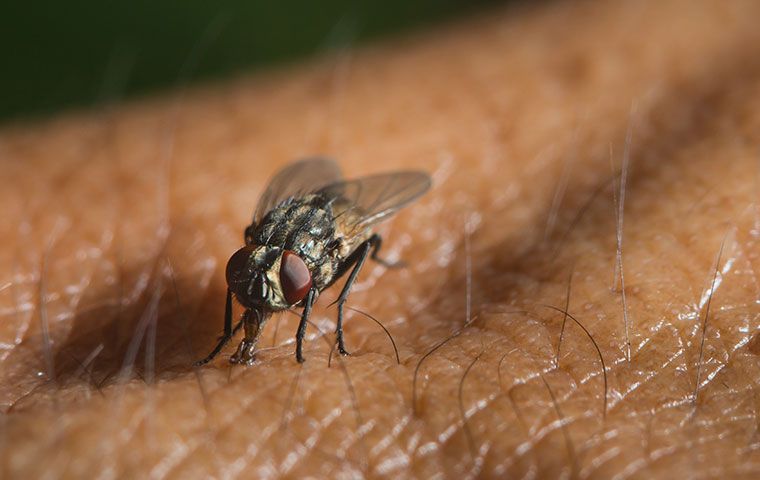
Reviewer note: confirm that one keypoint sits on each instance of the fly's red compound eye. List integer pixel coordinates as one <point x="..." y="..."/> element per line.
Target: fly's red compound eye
<point x="294" y="277"/>
<point x="237" y="263"/>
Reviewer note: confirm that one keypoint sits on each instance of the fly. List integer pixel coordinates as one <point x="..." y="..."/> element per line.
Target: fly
<point x="309" y="229"/>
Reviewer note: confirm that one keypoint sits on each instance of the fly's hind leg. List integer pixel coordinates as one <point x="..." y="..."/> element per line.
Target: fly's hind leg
<point x="369" y="248"/>
<point x="376" y="250"/>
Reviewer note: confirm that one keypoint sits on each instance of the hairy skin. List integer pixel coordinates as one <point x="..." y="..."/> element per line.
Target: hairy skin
<point x="117" y="225"/>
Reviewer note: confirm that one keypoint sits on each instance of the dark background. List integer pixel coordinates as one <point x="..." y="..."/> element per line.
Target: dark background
<point x="68" y="53"/>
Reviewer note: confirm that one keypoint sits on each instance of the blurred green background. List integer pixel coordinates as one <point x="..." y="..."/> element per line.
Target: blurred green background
<point x="61" y="54"/>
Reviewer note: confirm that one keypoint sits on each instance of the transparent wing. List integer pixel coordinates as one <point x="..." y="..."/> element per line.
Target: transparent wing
<point x="365" y="201"/>
<point x="297" y="179"/>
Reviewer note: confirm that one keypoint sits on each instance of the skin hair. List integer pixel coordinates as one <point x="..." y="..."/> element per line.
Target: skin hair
<point x="117" y="225"/>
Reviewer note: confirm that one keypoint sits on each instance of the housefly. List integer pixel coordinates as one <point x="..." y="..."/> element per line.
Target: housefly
<point x="309" y="229"/>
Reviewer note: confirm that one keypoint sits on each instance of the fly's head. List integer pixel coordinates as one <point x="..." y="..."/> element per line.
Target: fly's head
<point x="268" y="278"/>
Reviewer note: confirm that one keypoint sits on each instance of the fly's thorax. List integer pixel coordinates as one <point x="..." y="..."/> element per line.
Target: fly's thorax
<point x="298" y="224"/>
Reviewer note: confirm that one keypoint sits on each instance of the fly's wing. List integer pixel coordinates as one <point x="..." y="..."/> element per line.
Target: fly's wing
<point x="366" y="201"/>
<point x="297" y="179"/>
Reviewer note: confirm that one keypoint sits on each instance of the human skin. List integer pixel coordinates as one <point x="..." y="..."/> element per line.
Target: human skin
<point x="117" y="225"/>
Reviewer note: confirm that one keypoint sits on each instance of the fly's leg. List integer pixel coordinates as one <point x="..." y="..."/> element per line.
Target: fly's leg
<point x="229" y="332"/>
<point x="370" y="246"/>
<point x="247" y="347"/>
<point x="223" y="340"/>
<point x="378" y="243"/>
<point x="307" y="303"/>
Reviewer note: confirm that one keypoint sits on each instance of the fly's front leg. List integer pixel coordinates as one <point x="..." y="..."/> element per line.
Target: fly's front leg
<point x="307" y="303"/>
<point x="372" y="245"/>
<point x="247" y="348"/>
<point x="228" y="331"/>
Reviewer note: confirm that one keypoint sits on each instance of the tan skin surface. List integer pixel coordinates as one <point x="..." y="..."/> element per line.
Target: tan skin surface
<point x="117" y="226"/>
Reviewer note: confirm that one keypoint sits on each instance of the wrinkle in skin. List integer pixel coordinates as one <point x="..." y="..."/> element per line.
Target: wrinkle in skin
<point x="513" y="113"/>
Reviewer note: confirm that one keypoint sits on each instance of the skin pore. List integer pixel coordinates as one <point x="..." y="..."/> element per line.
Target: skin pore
<point x="565" y="141"/>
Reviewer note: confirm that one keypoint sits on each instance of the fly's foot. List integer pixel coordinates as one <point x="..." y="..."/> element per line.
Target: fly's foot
<point x="245" y="353"/>
<point x="299" y="354"/>
<point x="398" y="264"/>
<point x="341" y="346"/>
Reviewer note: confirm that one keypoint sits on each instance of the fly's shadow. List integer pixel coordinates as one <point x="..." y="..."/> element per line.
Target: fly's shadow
<point x="142" y="327"/>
